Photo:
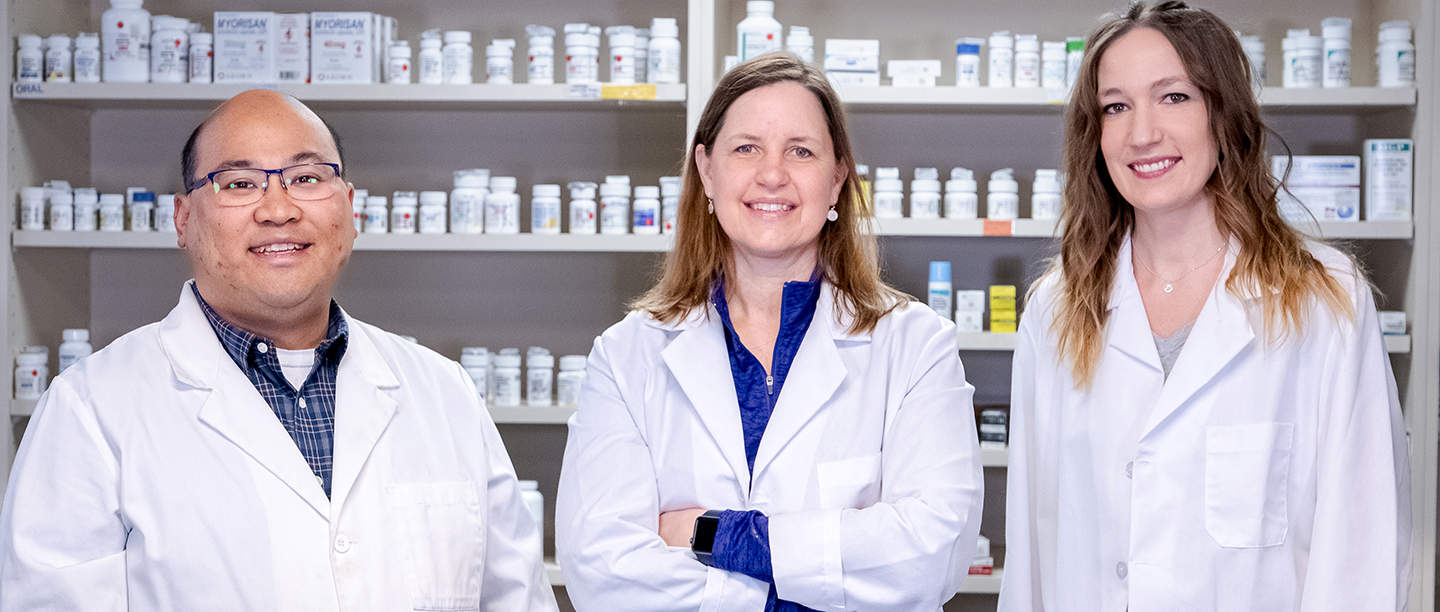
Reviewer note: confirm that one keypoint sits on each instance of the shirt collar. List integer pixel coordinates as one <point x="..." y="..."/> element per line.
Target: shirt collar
<point x="240" y="343"/>
<point x="798" y="300"/>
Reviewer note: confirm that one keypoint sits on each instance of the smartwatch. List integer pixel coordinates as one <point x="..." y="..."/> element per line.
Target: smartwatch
<point x="702" y="540"/>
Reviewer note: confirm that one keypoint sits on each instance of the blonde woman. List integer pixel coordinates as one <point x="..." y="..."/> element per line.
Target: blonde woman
<point x="1203" y="412"/>
<point x="772" y="428"/>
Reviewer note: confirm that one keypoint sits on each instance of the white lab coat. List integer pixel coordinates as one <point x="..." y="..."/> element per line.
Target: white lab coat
<point x="1258" y="477"/>
<point x="868" y="469"/>
<point x="153" y="476"/>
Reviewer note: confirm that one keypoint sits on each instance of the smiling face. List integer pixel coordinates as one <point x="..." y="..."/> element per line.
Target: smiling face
<point x="772" y="172"/>
<point x="1155" y="127"/>
<point x="262" y="261"/>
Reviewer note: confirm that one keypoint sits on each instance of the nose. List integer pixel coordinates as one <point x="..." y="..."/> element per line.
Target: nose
<point x="275" y="206"/>
<point x="1144" y="128"/>
<point x="772" y="172"/>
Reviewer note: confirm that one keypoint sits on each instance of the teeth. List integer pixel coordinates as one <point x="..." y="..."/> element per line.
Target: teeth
<point x="278" y="248"/>
<point x="1155" y="166"/>
<point x="763" y="207"/>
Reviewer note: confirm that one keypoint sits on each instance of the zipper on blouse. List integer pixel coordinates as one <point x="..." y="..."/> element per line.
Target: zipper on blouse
<point x="769" y="385"/>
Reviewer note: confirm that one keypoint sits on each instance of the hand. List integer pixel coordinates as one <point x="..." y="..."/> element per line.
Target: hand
<point x="676" y="526"/>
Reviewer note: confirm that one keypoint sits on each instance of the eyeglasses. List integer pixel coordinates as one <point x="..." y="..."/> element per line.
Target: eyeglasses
<point x="245" y="186"/>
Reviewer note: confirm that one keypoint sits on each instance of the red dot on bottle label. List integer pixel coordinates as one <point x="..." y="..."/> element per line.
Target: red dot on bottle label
<point x="34" y="372"/>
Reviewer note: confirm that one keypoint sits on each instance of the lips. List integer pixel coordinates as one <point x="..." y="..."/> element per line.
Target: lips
<point x="770" y="206"/>
<point x="280" y="248"/>
<point x="1154" y="167"/>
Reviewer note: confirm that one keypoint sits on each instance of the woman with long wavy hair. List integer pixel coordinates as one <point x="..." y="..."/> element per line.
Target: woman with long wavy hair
<point x="1203" y="412"/>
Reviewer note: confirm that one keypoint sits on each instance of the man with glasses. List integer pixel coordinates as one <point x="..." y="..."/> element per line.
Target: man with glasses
<point x="259" y="449"/>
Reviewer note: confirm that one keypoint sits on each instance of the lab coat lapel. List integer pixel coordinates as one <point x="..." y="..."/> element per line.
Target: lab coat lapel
<point x="1221" y="332"/>
<point x="363" y="409"/>
<point x="698" y="360"/>
<point x="815" y="374"/>
<point x="234" y="409"/>
<point x="1128" y="329"/>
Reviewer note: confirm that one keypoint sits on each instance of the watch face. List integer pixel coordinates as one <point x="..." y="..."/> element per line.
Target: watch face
<point x="704" y="539"/>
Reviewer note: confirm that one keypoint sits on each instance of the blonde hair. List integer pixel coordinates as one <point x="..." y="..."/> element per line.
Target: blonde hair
<point x="1273" y="261"/>
<point x="848" y="257"/>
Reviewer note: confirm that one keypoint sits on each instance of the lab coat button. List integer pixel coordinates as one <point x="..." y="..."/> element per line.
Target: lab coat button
<point x="1121" y="570"/>
<point x="262" y="347"/>
<point x="342" y="544"/>
<point x="1129" y="466"/>
<point x="302" y="403"/>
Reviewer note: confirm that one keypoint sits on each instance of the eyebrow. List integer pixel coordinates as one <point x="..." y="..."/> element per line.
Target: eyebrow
<point x="1165" y="82"/>
<point x="800" y="139"/>
<point x="303" y="156"/>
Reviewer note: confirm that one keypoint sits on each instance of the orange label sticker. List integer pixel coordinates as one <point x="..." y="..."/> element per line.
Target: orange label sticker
<point x="996" y="228"/>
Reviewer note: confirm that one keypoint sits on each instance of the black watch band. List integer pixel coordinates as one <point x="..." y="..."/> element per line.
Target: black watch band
<point x="702" y="539"/>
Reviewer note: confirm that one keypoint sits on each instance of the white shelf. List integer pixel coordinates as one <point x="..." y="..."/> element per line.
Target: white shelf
<point x="1018" y="228"/>
<point x="986" y="341"/>
<point x="1360" y="230"/>
<point x="532" y="415"/>
<point x="1397" y="345"/>
<point x="626" y="243"/>
<point x="205" y="95"/>
<point x="1039" y="100"/>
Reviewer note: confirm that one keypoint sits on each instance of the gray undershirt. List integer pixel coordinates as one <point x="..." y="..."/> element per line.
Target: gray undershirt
<point x="1169" y="348"/>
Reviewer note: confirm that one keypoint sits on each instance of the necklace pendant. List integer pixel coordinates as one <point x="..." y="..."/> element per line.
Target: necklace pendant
<point x="1169" y="288"/>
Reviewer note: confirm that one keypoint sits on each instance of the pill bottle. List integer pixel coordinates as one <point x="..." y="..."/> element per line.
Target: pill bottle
<point x="87" y="58"/>
<point x="500" y="61"/>
<point x="1045" y="195"/>
<point x="30" y="59"/>
<point x="967" y="62"/>
<point x="74" y="346"/>
<point x="582" y="207"/>
<point x="664" y="51"/>
<point x="622" y="54"/>
<point x="535" y="505"/>
<point x="961" y="200"/>
<point x="939" y="289"/>
<point x="1003" y="200"/>
<point x="1074" y="56"/>
<point x="502" y="206"/>
<point x="570" y="380"/>
<point x="432" y="212"/>
<point x="507" y="381"/>
<point x="889" y="194"/>
<point x="125" y="41"/>
<point x="32" y="208"/>
<point x="62" y="211"/>
<point x="1002" y="60"/>
<point x="545" y="209"/>
<point x="357" y="208"/>
<point x="647" y="210"/>
<point x="801" y="43"/>
<point x="758" y="33"/>
<point x="403" y="212"/>
<point x="925" y="194"/>
<point x="57" y="59"/>
<point x="399" y="72"/>
<point x="1052" y="65"/>
<point x="642" y="55"/>
<point x="476" y="361"/>
<point x="169" y="51"/>
<point x="1395" y="55"/>
<point x="142" y="207"/>
<point x="165" y="212"/>
<point x="467" y="201"/>
<point x="615" y="208"/>
<point x="1254" y="48"/>
<point x="87" y="203"/>
<point x="541" y="68"/>
<point x="458" y="58"/>
<point x="540" y="380"/>
<point x="1308" y="65"/>
<point x="31" y="374"/>
<point x="582" y="54"/>
<point x="1335" y="32"/>
<point x="430" y="62"/>
<point x="377" y="218"/>
<point x="202" y="57"/>
<point x="1027" y="60"/>
<point x="112" y="212"/>
<point x="669" y="203"/>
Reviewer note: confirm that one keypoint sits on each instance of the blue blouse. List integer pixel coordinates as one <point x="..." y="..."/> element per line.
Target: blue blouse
<point x="742" y="540"/>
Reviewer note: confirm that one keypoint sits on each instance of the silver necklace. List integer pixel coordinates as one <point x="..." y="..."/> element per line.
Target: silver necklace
<point x="1170" y="284"/>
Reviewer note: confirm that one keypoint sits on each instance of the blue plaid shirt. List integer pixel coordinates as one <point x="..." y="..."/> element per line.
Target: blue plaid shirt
<point x="307" y="414"/>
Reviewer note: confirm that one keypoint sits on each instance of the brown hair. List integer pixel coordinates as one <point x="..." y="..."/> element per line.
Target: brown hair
<point x="847" y="252"/>
<point x="1273" y="261"/>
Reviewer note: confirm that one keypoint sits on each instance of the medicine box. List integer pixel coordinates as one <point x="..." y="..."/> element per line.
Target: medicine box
<point x="292" y="48"/>
<point x="969" y="321"/>
<point x="1392" y="322"/>
<point x="970" y="300"/>
<point x="341" y="47"/>
<point x="854" y="79"/>
<point x="245" y="47"/>
<point x="1318" y="170"/>
<point x="1389" y="178"/>
<point x="912" y="80"/>
<point x="1002" y="291"/>
<point x="852" y="55"/>
<point x="1323" y="203"/>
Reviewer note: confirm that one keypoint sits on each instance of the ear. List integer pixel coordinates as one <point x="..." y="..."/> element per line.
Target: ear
<point x="350" y="199"/>
<point x="702" y="164"/>
<point x="183" y="209"/>
<point x="841" y="173"/>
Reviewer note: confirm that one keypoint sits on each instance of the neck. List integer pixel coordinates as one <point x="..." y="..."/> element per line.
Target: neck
<point x="754" y="286"/>
<point x="295" y="328"/>
<point x="1175" y="241"/>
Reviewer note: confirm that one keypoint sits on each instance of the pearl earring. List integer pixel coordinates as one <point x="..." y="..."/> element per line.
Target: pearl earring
<point x="710" y="207"/>
<point x="832" y="215"/>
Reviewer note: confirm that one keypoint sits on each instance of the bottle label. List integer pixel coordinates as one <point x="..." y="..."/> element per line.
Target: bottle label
<point x="756" y="44"/>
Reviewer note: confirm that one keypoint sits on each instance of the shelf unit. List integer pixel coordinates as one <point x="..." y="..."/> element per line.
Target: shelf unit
<point x="560" y="291"/>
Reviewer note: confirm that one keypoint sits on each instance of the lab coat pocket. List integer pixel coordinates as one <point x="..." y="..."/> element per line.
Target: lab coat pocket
<point x="444" y="542"/>
<point x="1247" y="474"/>
<point x="850" y="483"/>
